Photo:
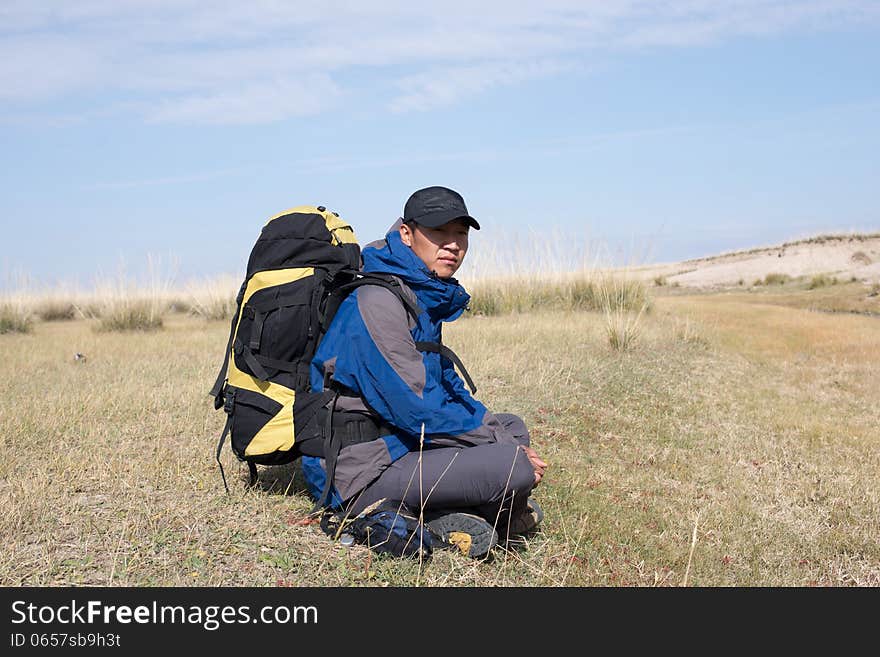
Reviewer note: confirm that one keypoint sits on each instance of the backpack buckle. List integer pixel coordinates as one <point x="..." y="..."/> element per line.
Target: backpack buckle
<point x="229" y="402"/>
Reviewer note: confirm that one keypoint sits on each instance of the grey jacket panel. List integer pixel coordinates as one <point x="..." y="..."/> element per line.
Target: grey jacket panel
<point x="492" y="430"/>
<point x="329" y="367"/>
<point x="352" y="404"/>
<point x="376" y="244"/>
<point x="358" y="465"/>
<point x="389" y="326"/>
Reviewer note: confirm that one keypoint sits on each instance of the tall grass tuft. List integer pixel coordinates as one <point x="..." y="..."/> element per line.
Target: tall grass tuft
<point x="122" y="305"/>
<point x="130" y="314"/>
<point x="687" y="331"/>
<point x="15" y="315"/>
<point x="623" y="329"/>
<point x="213" y="298"/>
<point x="776" y="279"/>
<point x="56" y="305"/>
<point x="860" y="258"/>
<point x="624" y="302"/>
<point x="821" y="280"/>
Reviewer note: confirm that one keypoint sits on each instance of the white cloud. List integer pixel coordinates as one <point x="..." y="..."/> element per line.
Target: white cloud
<point x="168" y="180"/>
<point x="45" y="67"/>
<point x="190" y="61"/>
<point x="445" y="86"/>
<point x="257" y="103"/>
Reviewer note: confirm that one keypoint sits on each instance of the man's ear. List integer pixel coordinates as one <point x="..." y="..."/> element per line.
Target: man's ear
<point x="406" y="234"/>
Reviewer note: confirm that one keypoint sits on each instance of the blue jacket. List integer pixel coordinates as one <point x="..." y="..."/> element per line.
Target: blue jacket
<point x="370" y="349"/>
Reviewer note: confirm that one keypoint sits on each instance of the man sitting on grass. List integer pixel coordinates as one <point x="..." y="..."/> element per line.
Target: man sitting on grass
<point x="440" y="450"/>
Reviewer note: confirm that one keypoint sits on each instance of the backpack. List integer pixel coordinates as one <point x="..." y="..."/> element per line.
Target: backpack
<point x="304" y="263"/>
<point x="386" y="526"/>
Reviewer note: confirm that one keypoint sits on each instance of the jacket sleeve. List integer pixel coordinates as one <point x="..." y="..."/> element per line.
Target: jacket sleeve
<point x="376" y="357"/>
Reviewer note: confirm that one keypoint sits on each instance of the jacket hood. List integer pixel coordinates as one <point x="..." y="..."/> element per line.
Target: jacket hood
<point x="443" y="299"/>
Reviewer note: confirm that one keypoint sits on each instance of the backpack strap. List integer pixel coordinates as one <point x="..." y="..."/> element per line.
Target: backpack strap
<point x="228" y="404"/>
<point x="217" y="389"/>
<point x="446" y="352"/>
<point x="258" y="365"/>
<point x="332" y="446"/>
<point x="387" y="281"/>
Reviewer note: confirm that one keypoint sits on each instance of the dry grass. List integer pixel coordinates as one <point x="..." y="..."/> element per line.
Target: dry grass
<point x="15" y="314"/>
<point x="130" y="314"/>
<point x="53" y="308"/>
<point x="543" y="271"/>
<point x="835" y="237"/>
<point x="861" y="258"/>
<point x="213" y="298"/>
<point x="844" y="297"/>
<point x="821" y="280"/>
<point x="623" y="303"/>
<point x="773" y="279"/>
<point x="123" y="304"/>
<point x="756" y="419"/>
<point x="590" y="290"/>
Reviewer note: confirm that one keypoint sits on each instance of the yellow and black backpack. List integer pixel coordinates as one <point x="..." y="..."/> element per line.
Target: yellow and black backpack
<point x="304" y="263"/>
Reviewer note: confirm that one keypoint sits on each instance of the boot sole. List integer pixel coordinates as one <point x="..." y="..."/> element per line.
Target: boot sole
<point x="470" y="534"/>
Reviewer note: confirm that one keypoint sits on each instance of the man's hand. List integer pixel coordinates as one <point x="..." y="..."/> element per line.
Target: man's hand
<point x="538" y="464"/>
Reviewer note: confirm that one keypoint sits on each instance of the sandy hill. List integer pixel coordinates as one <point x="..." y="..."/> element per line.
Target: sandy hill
<point x="841" y="256"/>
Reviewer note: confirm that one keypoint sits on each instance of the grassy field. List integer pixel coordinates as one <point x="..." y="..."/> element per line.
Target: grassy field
<point x="736" y="443"/>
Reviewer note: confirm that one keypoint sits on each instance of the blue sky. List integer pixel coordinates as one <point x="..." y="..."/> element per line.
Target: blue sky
<point x="651" y="131"/>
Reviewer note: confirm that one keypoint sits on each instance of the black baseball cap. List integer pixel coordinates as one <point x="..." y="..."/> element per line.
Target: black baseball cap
<point x="435" y="206"/>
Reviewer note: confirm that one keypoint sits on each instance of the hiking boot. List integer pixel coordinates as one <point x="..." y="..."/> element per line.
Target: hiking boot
<point x="470" y="534"/>
<point x="527" y="521"/>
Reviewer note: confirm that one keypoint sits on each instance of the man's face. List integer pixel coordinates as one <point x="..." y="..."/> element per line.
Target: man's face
<point x="442" y="249"/>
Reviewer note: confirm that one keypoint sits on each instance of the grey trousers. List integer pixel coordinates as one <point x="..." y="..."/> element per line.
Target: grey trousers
<point x="490" y="480"/>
